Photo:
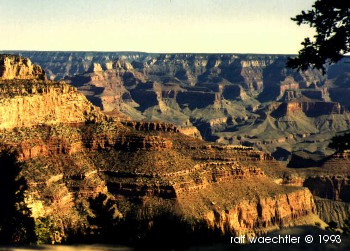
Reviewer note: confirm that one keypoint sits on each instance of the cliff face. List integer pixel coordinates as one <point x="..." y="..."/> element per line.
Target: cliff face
<point x="71" y="152"/>
<point x="106" y="85"/>
<point x="330" y="210"/>
<point x="27" y="99"/>
<point x="28" y="104"/>
<point x="332" y="182"/>
<point x="330" y="187"/>
<point x="12" y="67"/>
<point x="263" y="213"/>
<point x="226" y="97"/>
<point x="310" y="108"/>
<point x="329" y="184"/>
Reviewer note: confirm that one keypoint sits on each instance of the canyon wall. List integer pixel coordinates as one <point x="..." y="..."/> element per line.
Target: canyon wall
<point x="70" y="152"/>
<point x="28" y="99"/>
<point x="24" y="104"/>
<point x="328" y="183"/>
<point x="330" y="210"/>
<point x="264" y="214"/>
<point x="230" y="98"/>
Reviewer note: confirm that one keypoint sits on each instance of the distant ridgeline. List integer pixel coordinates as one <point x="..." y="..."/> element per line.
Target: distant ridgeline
<point x="253" y="100"/>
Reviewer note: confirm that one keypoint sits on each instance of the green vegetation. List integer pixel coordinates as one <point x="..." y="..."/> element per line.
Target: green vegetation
<point x="331" y="20"/>
<point x="47" y="231"/>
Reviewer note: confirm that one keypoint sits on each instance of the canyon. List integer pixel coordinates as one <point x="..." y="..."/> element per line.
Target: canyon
<point x="251" y="100"/>
<point x="71" y="152"/>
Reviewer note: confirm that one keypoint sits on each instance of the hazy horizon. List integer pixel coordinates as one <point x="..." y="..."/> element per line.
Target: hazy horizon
<point x="146" y="52"/>
<point x="154" y="26"/>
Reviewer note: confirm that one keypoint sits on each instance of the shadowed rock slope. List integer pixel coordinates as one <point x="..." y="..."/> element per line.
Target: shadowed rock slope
<point x="70" y="152"/>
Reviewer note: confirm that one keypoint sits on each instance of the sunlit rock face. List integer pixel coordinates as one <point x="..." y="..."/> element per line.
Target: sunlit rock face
<point x="12" y="67"/>
<point x="28" y="99"/>
<point x="70" y="152"/>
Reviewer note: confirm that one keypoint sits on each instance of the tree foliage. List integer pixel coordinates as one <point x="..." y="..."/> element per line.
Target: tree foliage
<point x="331" y="20"/>
<point x="103" y="221"/>
<point x="16" y="223"/>
<point x="341" y="142"/>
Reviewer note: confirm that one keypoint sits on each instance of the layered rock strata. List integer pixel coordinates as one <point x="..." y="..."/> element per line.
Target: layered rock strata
<point x="12" y="67"/>
<point x="71" y="152"/>
<point x="234" y="99"/>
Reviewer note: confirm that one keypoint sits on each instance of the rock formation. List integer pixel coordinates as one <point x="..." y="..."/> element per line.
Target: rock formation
<point x="234" y="99"/>
<point x="329" y="184"/>
<point x="71" y="152"/>
<point x="12" y="67"/>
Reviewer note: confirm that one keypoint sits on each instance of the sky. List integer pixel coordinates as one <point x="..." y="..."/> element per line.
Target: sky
<point x="197" y="26"/>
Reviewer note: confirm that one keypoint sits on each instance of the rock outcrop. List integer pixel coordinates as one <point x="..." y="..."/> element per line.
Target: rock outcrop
<point x="263" y="213"/>
<point x="28" y="99"/>
<point x="330" y="210"/>
<point x="32" y="103"/>
<point x="191" y="131"/>
<point x="12" y="67"/>
<point x="311" y="108"/>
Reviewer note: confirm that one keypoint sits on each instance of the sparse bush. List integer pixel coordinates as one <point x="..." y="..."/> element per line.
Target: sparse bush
<point x="45" y="228"/>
